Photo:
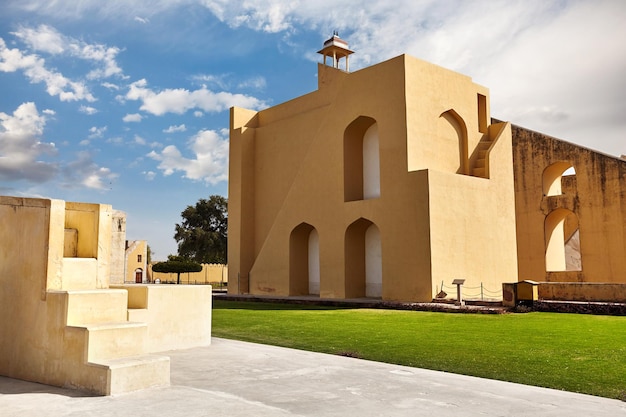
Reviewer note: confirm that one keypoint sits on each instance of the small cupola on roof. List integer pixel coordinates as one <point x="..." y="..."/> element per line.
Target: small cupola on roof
<point x="336" y="48"/>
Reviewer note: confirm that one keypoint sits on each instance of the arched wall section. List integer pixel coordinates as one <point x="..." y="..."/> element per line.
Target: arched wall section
<point x="562" y="239"/>
<point x="453" y="144"/>
<point x="373" y="263"/>
<point x="361" y="153"/>
<point x="371" y="163"/>
<point x="363" y="260"/>
<point x="552" y="175"/>
<point x="314" y="262"/>
<point x="301" y="261"/>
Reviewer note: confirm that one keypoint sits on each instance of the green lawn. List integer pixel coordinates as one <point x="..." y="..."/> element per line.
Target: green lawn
<point x="580" y="353"/>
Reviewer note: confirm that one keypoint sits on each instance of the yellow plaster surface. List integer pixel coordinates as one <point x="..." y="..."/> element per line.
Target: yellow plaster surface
<point x="62" y="324"/>
<point x="288" y="168"/>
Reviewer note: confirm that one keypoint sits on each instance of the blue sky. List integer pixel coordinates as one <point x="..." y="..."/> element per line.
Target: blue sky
<point x="126" y="102"/>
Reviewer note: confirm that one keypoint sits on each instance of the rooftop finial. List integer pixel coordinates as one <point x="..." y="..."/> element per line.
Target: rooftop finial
<point x="335" y="48"/>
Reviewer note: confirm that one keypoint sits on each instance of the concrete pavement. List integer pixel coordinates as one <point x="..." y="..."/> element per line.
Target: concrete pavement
<point x="231" y="378"/>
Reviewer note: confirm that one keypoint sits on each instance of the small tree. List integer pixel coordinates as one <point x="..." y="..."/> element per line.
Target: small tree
<point x="177" y="265"/>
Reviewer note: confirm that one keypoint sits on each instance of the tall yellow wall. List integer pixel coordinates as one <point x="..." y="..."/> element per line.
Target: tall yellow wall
<point x="23" y="282"/>
<point x="287" y="168"/>
<point x="597" y="195"/>
<point x="473" y="224"/>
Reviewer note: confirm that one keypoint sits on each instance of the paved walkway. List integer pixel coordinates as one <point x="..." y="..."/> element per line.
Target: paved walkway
<point x="231" y="378"/>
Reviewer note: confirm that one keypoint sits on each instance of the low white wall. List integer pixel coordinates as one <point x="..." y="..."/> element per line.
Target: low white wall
<point x="178" y="316"/>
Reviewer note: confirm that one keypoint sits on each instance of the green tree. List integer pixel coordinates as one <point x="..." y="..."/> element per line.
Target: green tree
<point x="202" y="235"/>
<point x="177" y="265"/>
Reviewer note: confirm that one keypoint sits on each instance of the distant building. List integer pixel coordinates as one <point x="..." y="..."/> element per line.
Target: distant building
<point x="136" y="261"/>
<point x="392" y="181"/>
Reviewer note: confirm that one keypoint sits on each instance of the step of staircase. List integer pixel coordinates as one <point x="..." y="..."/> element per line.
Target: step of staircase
<point x="111" y="340"/>
<point x="93" y="306"/>
<point x="135" y="373"/>
<point x="121" y="375"/>
<point x="479" y="172"/>
<point x="484" y="145"/>
<point x="138" y="314"/>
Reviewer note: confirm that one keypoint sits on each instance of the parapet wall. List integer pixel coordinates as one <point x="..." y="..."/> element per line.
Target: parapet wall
<point x="210" y="274"/>
<point x="582" y="291"/>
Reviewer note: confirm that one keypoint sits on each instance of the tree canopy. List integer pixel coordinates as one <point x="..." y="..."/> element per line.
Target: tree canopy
<point x="176" y="265"/>
<point x="202" y="235"/>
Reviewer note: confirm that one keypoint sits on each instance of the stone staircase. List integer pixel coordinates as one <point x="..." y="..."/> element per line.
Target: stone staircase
<point x="103" y="351"/>
<point x="480" y="168"/>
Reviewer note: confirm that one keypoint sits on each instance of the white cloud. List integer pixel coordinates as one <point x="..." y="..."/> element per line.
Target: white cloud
<point x="86" y="173"/>
<point x="198" y="113"/>
<point x="173" y="129"/>
<point x="141" y="20"/>
<point x="180" y="100"/>
<point x="47" y="39"/>
<point x="139" y="140"/>
<point x="268" y="16"/>
<point x="110" y="86"/>
<point x="116" y="140"/>
<point x="49" y="112"/>
<point x="134" y="117"/>
<point x="256" y="83"/>
<point x="34" y="68"/>
<point x="21" y="146"/>
<point x="218" y="81"/>
<point x="42" y="39"/>
<point x="88" y="110"/>
<point x="209" y="163"/>
<point x="97" y="132"/>
<point x="149" y="175"/>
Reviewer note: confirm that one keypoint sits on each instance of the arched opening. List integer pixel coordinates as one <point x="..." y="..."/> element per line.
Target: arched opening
<point x="314" y="262"/>
<point x="553" y="175"/>
<point x="454" y="149"/>
<point x="562" y="237"/>
<point x="363" y="260"/>
<point x="371" y="163"/>
<point x="373" y="263"/>
<point x="304" y="261"/>
<point x="361" y="160"/>
<point x="138" y="276"/>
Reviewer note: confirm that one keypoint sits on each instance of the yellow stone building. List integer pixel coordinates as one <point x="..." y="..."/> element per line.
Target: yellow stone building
<point x="136" y="255"/>
<point x="392" y="181"/>
<point x="384" y="182"/>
